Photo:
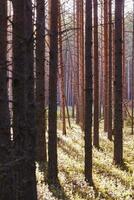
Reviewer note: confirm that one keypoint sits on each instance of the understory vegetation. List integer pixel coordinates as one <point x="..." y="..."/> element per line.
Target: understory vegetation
<point x="110" y="182"/>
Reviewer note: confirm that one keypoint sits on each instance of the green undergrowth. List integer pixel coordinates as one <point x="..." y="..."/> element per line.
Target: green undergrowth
<point x="110" y="182"/>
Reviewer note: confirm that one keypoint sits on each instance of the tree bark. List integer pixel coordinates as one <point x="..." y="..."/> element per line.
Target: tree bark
<point x="110" y="74"/>
<point x="118" y="92"/>
<point x="52" y="117"/>
<point x="41" y="154"/>
<point x="88" y="93"/>
<point x="96" y="78"/>
<point x="5" y="170"/>
<point x="106" y="65"/>
<point x="23" y="102"/>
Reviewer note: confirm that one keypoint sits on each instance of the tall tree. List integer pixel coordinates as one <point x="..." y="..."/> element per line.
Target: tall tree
<point x="110" y="74"/>
<point x="78" y="61"/>
<point x="118" y="119"/>
<point x="5" y="181"/>
<point x="96" y="77"/>
<point x="133" y="75"/>
<point x="52" y="117"/>
<point x="41" y="154"/>
<point x="88" y="92"/>
<point x="23" y="102"/>
<point x="81" y="63"/>
<point x="105" y="65"/>
<point x="61" y="74"/>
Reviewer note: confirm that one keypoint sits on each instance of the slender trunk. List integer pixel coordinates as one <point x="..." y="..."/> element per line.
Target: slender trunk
<point x="106" y="65"/>
<point x="61" y="76"/>
<point x="41" y="154"/>
<point x="88" y="93"/>
<point x="81" y="64"/>
<point x="78" y="63"/>
<point x="5" y="172"/>
<point x="96" y="78"/>
<point x="133" y="76"/>
<point x="110" y="74"/>
<point x="118" y="119"/>
<point x="52" y="118"/>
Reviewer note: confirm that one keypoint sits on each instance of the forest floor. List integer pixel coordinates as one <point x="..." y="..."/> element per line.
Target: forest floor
<point x="110" y="182"/>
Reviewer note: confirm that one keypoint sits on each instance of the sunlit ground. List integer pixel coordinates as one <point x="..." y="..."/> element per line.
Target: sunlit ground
<point x="110" y="182"/>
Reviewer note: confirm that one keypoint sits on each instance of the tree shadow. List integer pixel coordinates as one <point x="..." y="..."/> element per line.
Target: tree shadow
<point x="125" y="167"/>
<point x="42" y="168"/>
<point x="57" y="190"/>
<point x="69" y="149"/>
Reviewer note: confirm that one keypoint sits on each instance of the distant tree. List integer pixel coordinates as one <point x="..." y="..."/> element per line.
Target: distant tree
<point x="106" y="65"/>
<point x="5" y="170"/>
<point x="81" y="63"/>
<point x="61" y="74"/>
<point x="52" y="117"/>
<point x="132" y="84"/>
<point x="118" y="119"/>
<point x="88" y="92"/>
<point x="23" y="102"/>
<point x="41" y="154"/>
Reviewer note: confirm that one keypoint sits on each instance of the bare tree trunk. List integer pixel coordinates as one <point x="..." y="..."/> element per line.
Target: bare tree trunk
<point x="110" y="74"/>
<point x="81" y="64"/>
<point x="78" y="62"/>
<point x="133" y="76"/>
<point x="41" y="154"/>
<point x="106" y="65"/>
<point x="88" y="92"/>
<point x="61" y="76"/>
<point x="52" y="118"/>
<point x="96" y="78"/>
<point x="118" y="119"/>
<point x="23" y="102"/>
<point x="5" y="171"/>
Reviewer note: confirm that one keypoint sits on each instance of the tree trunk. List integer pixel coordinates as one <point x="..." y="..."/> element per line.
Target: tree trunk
<point x="118" y="120"/>
<point x="88" y="92"/>
<point x="110" y="74"/>
<point x="5" y="172"/>
<point x="23" y="102"/>
<point x="52" y="118"/>
<point x="96" y="78"/>
<point x="41" y="154"/>
<point x="106" y="65"/>
<point x="61" y="76"/>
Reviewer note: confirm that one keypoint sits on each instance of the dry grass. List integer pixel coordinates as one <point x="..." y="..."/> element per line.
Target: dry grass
<point x="110" y="182"/>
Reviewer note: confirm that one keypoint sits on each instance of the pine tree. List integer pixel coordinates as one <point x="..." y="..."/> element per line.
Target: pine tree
<point x="118" y="119"/>
<point x="40" y="82"/>
<point x="5" y="170"/>
<point x="96" y="77"/>
<point x="88" y="92"/>
<point x="52" y="117"/>
<point x="23" y="102"/>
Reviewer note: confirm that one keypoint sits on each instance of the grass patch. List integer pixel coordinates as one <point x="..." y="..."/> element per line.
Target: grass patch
<point x="110" y="182"/>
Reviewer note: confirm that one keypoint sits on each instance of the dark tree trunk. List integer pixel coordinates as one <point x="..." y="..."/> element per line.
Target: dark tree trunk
<point x="88" y="92"/>
<point x="52" y="118"/>
<point x="118" y="120"/>
<point x="5" y="172"/>
<point x="110" y="74"/>
<point x="41" y="154"/>
<point x="23" y="102"/>
<point x="96" y="78"/>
